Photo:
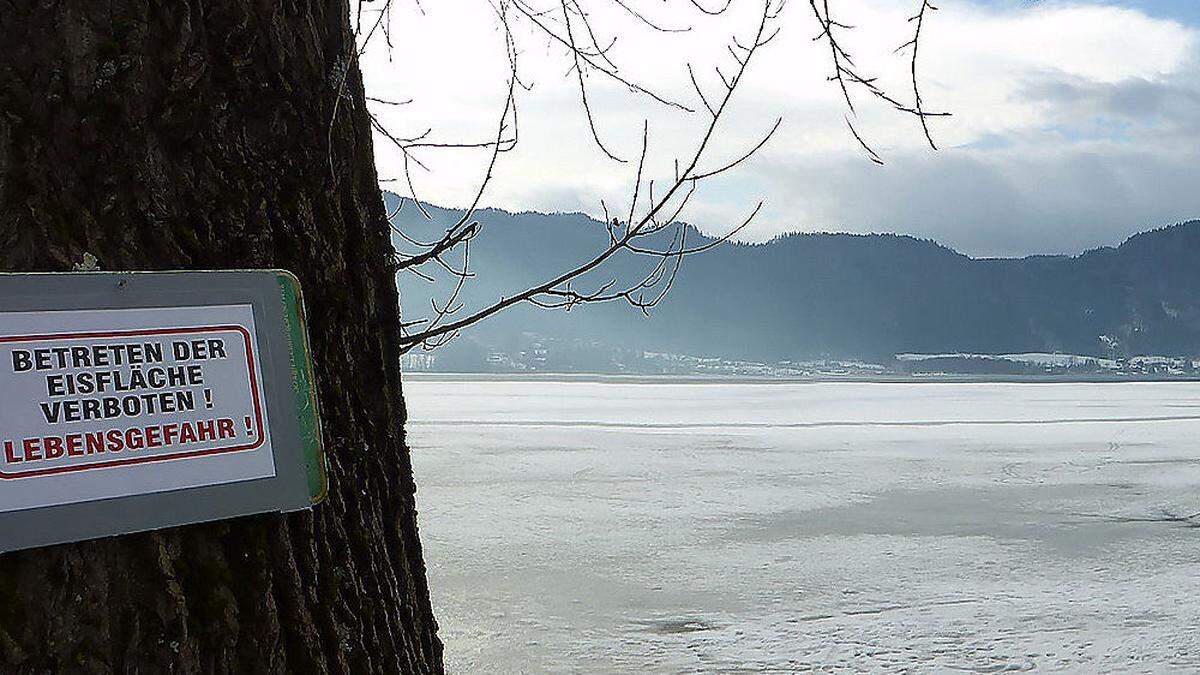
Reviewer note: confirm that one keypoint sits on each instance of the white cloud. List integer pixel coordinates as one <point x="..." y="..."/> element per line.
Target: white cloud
<point x="1074" y="123"/>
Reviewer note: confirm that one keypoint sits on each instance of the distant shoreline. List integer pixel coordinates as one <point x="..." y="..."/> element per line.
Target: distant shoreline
<point x="425" y="376"/>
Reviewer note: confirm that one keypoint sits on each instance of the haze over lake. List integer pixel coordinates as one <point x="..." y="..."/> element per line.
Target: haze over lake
<point x="604" y="525"/>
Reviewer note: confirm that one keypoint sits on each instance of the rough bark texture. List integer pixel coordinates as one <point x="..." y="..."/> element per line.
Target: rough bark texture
<point x="195" y="135"/>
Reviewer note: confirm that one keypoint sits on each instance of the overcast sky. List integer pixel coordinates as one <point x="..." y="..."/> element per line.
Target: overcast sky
<point x="1074" y="124"/>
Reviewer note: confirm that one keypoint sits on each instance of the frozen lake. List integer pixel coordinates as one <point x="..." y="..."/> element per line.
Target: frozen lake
<point x="601" y="526"/>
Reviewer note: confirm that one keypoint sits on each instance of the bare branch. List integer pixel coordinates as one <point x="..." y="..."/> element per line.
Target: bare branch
<point x="699" y="91"/>
<point x="637" y="181"/>
<point x="536" y="18"/>
<point x="871" y="154"/>
<point x="387" y="102"/>
<point x="915" y="43"/>
<point x="559" y="292"/>
<point x="642" y="18"/>
<point x="711" y="12"/>
<point x="745" y="156"/>
<point x="652" y="212"/>
<point x="587" y="108"/>
<point x="846" y="75"/>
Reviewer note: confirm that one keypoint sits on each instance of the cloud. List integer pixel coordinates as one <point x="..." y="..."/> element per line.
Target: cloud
<point x="1158" y="109"/>
<point x="1005" y="204"/>
<point x="1074" y="124"/>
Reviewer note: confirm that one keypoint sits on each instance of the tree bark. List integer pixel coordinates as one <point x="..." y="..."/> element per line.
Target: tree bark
<point x="197" y="135"/>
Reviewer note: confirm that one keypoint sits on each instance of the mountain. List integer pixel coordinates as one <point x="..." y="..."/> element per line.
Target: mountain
<point x="843" y="296"/>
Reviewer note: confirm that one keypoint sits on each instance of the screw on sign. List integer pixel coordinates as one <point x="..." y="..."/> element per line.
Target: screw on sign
<point x="196" y="405"/>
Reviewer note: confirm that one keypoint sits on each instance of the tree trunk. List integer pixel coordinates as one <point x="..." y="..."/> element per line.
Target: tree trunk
<point x="196" y="135"/>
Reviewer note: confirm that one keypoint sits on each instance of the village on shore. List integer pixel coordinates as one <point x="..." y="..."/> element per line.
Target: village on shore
<point x="537" y="354"/>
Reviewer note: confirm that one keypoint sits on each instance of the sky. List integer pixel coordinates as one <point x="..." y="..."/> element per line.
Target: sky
<point x="1072" y="124"/>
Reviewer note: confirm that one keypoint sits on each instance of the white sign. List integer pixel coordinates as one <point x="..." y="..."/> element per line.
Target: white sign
<point x="107" y="403"/>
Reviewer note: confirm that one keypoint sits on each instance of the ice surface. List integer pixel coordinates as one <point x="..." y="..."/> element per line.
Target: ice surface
<point x="608" y="526"/>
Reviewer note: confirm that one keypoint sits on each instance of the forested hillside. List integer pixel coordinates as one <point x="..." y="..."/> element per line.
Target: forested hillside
<point x="846" y="296"/>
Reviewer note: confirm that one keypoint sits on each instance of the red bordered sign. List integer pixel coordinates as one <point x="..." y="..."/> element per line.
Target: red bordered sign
<point x="79" y="444"/>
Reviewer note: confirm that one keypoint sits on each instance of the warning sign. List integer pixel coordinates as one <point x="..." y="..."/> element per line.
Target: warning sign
<point x="133" y="401"/>
<point x="106" y="403"/>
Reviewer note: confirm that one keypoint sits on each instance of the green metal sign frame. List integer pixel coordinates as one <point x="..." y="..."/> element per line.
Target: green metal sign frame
<point x="308" y="410"/>
<point x="35" y="306"/>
